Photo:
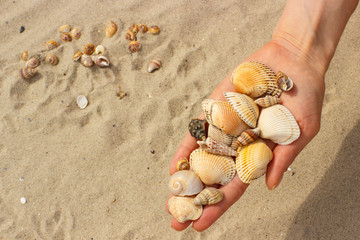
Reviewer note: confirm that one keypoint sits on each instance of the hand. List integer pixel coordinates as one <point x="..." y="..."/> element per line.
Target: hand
<point x="305" y="103"/>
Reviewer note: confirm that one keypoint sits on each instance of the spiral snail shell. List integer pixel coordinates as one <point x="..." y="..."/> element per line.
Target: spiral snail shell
<point x="66" y="37"/>
<point x="86" y="60"/>
<point x="111" y="29"/>
<point x="183" y="164"/>
<point x="75" y="33"/>
<point x="134" y="28"/>
<point x="89" y="49"/>
<point x="52" y="59"/>
<point x="33" y="62"/>
<point x="143" y="28"/>
<point x="64" y="28"/>
<point x="185" y="183"/>
<point x="130" y="36"/>
<point x="134" y="46"/>
<point x="154" y="29"/>
<point x="27" y="72"/>
<point x="50" y="45"/>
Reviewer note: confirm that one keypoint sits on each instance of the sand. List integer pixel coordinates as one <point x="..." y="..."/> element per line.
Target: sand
<point x="102" y="172"/>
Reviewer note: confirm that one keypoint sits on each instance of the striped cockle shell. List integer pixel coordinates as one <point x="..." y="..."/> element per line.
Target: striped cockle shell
<point x="184" y="209"/>
<point x="216" y="147"/>
<point x="211" y="168"/>
<point x="185" y="183"/>
<point x="27" y="72"/>
<point x="197" y="129"/>
<point x="183" y="164"/>
<point x="247" y="136"/>
<point x="254" y="79"/>
<point x="284" y="82"/>
<point x="208" y="196"/>
<point x="222" y="115"/>
<point x="220" y="136"/>
<point x="245" y="107"/>
<point x="33" y="62"/>
<point x="278" y="124"/>
<point x="252" y="160"/>
<point x="267" y="101"/>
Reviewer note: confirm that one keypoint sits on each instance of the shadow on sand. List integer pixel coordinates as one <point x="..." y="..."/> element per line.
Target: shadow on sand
<point x="332" y="210"/>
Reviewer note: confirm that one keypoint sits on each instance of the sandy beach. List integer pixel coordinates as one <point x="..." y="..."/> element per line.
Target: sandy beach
<point x="102" y="172"/>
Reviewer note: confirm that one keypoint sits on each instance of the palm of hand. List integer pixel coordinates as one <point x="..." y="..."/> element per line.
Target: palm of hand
<point x="305" y="103"/>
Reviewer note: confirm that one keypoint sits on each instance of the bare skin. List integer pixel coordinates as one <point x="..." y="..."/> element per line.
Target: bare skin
<point x="306" y="63"/>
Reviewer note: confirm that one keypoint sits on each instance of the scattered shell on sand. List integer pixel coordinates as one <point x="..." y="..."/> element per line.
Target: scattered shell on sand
<point x="130" y="36"/>
<point x="65" y="28"/>
<point x="134" y="28"/>
<point x="27" y="73"/>
<point x="154" y="65"/>
<point x="33" y="62"/>
<point x="143" y="28"/>
<point x="87" y="60"/>
<point x="82" y="101"/>
<point x="23" y="200"/>
<point x="89" y="49"/>
<point x="52" y="59"/>
<point x="111" y="29"/>
<point x="66" y="37"/>
<point x="134" y="46"/>
<point x="76" y="33"/>
<point x="77" y="56"/>
<point x="154" y="29"/>
<point x="50" y="45"/>
<point x="100" y="49"/>
<point x="101" y="61"/>
<point x="25" y="55"/>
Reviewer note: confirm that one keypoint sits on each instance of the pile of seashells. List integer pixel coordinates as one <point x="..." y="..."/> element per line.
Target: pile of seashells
<point x="134" y="29"/>
<point x="233" y="128"/>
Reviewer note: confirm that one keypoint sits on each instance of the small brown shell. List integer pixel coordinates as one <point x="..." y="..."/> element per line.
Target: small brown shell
<point x="25" y="55"/>
<point x="101" y="61"/>
<point x="27" y="73"/>
<point x="65" y="28"/>
<point x="197" y="129"/>
<point x="50" y="45"/>
<point x="77" y="56"/>
<point x="154" y="65"/>
<point x="134" y="46"/>
<point x="89" y="49"/>
<point x="154" y="29"/>
<point x="130" y="36"/>
<point x="208" y="196"/>
<point x="33" y="62"/>
<point x="86" y="60"/>
<point x="183" y="164"/>
<point x="111" y="29"/>
<point x="134" y="28"/>
<point x="284" y="82"/>
<point x="52" y="59"/>
<point x="143" y="28"/>
<point x="66" y="37"/>
<point x="75" y="33"/>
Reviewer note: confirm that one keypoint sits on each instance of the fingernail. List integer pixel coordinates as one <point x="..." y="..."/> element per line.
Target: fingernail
<point x="273" y="188"/>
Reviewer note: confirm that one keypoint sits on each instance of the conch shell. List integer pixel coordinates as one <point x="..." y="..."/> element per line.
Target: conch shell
<point x="208" y="196"/>
<point x="185" y="183"/>
<point x="223" y="116"/>
<point x="184" y="209"/>
<point x="278" y="124"/>
<point x="255" y="79"/>
<point x="211" y="168"/>
<point x="197" y="129"/>
<point x="245" y="107"/>
<point x="267" y="101"/>
<point x="216" y="147"/>
<point x="252" y="160"/>
<point x="111" y="29"/>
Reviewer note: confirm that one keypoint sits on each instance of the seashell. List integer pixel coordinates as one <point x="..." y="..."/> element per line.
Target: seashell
<point x="25" y="55"/>
<point x="223" y="116"/>
<point x="52" y="59"/>
<point x="219" y="135"/>
<point x="154" y="65"/>
<point x="278" y="124"/>
<point x="86" y="60"/>
<point x="252" y="160"/>
<point x="284" y="82"/>
<point x="130" y="36"/>
<point x="111" y="29"/>
<point x="50" y="45"/>
<point x="154" y="29"/>
<point x="211" y="168"/>
<point x="197" y="129"/>
<point x="65" y="28"/>
<point x="208" y="196"/>
<point x="267" y="101"/>
<point x="216" y="147"/>
<point x="81" y="101"/>
<point x="77" y="56"/>
<point x="134" y="28"/>
<point x="183" y="164"/>
<point x="66" y="37"/>
<point x="247" y="136"/>
<point x="33" y="62"/>
<point x="75" y="33"/>
<point x="255" y="79"/>
<point x="184" y="209"/>
<point x="185" y="183"/>
<point x="143" y="28"/>
<point x="100" y="49"/>
<point x="101" y="61"/>
<point x="134" y="46"/>
<point x="245" y="107"/>
<point x="89" y="49"/>
<point x="28" y="72"/>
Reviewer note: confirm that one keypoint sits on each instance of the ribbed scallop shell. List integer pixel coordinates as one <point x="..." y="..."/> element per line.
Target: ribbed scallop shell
<point x="252" y="160"/>
<point x="197" y="129"/>
<point x="211" y="168"/>
<point x="278" y="124"/>
<point x="267" y="101"/>
<point x="184" y="209"/>
<point x="245" y="107"/>
<point x="254" y="79"/>
<point x="185" y="183"/>
<point x="52" y="59"/>
<point x="220" y="136"/>
<point x="247" y="137"/>
<point x="28" y="72"/>
<point x="111" y="29"/>
<point x="183" y="164"/>
<point x="223" y="116"/>
<point x="33" y="62"/>
<point x="208" y="196"/>
<point x="216" y="147"/>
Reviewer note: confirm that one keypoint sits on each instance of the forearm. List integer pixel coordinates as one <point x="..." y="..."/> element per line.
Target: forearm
<point x="311" y="29"/>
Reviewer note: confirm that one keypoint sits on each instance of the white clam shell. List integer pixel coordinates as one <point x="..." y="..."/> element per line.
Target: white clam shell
<point x="278" y="124"/>
<point x="184" y="209"/>
<point x="82" y="101"/>
<point x="185" y="183"/>
<point x="211" y="168"/>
